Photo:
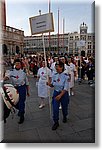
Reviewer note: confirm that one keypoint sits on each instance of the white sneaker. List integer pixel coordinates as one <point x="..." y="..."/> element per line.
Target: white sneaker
<point x="72" y="93"/>
<point x="41" y="106"/>
<point x="60" y="107"/>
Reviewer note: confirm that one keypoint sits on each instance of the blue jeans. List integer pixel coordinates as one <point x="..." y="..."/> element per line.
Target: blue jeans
<point x="22" y="97"/>
<point x="55" y="104"/>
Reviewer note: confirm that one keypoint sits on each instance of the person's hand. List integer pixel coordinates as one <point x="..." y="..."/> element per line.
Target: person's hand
<point x="5" y="78"/>
<point x="58" y="97"/>
<point x="47" y="83"/>
<point x="28" y="94"/>
<point x="69" y="80"/>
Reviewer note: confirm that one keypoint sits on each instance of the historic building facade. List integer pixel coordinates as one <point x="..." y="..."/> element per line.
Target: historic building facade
<point x="11" y="39"/>
<point x="67" y="43"/>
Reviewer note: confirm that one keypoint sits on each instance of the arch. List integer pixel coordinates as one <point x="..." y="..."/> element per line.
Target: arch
<point x="4" y="49"/>
<point x="17" y="49"/>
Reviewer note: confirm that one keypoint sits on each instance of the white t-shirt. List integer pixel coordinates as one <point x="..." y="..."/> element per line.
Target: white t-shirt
<point x="43" y="72"/>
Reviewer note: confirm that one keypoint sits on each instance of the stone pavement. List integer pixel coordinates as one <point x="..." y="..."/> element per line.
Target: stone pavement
<point x="80" y="127"/>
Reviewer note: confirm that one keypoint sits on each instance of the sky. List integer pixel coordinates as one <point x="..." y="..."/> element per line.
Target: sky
<point x="73" y="12"/>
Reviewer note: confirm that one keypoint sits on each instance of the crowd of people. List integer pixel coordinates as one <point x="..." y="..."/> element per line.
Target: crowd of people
<point x="57" y="72"/>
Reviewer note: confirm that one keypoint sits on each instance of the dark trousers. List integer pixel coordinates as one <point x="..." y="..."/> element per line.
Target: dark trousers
<point x="55" y="104"/>
<point x="90" y="75"/>
<point x="22" y="97"/>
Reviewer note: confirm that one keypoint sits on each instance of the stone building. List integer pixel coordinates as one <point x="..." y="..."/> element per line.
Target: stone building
<point x="67" y="43"/>
<point x="11" y="39"/>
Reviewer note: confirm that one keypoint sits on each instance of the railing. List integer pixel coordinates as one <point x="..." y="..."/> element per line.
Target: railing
<point x="13" y="30"/>
<point x="10" y="33"/>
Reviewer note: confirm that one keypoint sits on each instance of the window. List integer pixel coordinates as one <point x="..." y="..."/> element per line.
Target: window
<point x="89" y="51"/>
<point x="89" y="37"/>
<point x="76" y="38"/>
<point x="89" y="46"/>
<point x="89" y="43"/>
<point x="71" y="37"/>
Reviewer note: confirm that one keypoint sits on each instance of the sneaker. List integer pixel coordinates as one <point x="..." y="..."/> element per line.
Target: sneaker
<point x="92" y="85"/>
<point x="55" y="126"/>
<point x="41" y="106"/>
<point x="60" y="107"/>
<point x="64" y="119"/>
<point x="72" y="93"/>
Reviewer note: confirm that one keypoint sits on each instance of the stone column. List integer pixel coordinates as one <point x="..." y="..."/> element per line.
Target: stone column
<point x="3" y="13"/>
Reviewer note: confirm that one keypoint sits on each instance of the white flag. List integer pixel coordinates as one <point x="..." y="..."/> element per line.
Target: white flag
<point x="80" y="43"/>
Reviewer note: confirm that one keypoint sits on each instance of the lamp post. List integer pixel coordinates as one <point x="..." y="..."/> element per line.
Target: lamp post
<point x="63" y="32"/>
<point x="39" y="12"/>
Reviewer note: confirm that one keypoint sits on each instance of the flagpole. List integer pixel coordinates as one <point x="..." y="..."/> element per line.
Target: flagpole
<point x="49" y="32"/>
<point x="63" y="31"/>
<point x="50" y="106"/>
<point x="58" y="30"/>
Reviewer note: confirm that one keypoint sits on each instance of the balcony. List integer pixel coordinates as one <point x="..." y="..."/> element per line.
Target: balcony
<point x="11" y="34"/>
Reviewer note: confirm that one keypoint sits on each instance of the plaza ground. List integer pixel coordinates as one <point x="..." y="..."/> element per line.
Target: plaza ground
<point x="80" y="127"/>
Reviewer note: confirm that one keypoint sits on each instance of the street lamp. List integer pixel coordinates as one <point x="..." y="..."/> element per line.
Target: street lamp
<point x="39" y="12"/>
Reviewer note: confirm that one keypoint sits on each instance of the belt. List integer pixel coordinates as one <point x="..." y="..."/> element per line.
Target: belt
<point x="18" y="85"/>
<point x="58" y="91"/>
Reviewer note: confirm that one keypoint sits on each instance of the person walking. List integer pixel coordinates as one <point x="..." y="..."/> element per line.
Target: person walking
<point x="53" y="69"/>
<point x="60" y="83"/>
<point x="90" y="71"/>
<point x="44" y="74"/>
<point x="20" y="81"/>
<point x="73" y="74"/>
<point x="67" y="71"/>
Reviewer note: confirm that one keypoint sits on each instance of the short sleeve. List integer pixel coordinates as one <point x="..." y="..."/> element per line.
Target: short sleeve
<point x="66" y="85"/>
<point x="49" y="73"/>
<point x="38" y="73"/>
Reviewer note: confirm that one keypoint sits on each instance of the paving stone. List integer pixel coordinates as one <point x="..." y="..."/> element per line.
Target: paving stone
<point x="84" y="124"/>
<point x="48" y="136"/>
<point x="38" y="122"/>
<point x="28" y="136"/>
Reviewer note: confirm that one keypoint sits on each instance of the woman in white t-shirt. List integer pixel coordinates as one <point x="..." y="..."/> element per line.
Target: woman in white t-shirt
<point x="73" y="74"/>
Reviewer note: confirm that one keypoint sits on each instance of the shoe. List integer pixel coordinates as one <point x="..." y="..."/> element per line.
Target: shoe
<point x="64" y="119"/>
<point x="60" y="107"/>
<point x="92" y="85"/>
<point x="21" y="119"/>
<point x="90" y="82"/>
<point x="72" y="93"/>
<point x="55" y="126"/>
<point x="18" y="114"/>
<point x="41" y="106"/>
<point x="4" y="120"/>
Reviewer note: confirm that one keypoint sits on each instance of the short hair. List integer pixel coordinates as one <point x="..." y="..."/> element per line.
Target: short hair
<point x="17" y="60"/>
<point x="60" y="64"/>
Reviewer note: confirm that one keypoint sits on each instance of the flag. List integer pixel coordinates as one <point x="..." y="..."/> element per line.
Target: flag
<point x="80" y="43"/>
